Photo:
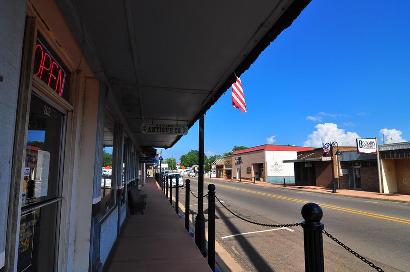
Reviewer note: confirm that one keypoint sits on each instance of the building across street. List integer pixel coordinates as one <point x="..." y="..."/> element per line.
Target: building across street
<point x="266" y="163"/>
<point x="395" y="168"/>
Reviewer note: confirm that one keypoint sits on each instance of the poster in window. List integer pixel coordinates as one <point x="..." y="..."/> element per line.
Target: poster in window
<point x="42" y="171"/>
<point x="26" y="240"/>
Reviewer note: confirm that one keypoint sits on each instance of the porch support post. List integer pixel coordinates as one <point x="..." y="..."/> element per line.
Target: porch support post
<point x="200" y="218"/>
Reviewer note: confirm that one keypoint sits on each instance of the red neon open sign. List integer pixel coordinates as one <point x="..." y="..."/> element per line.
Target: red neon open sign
<point x="48" y="69"/>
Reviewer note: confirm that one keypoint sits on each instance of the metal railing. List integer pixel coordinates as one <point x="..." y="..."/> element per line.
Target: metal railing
<point x="313" y="229"/>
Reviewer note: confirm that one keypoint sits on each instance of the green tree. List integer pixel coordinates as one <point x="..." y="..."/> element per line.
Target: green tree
<point x="107" y="159"/>
<point x="172" y="163"/>
<point x="209" y="160"/>
<point x="190" y="158"/>
<point x="238" y="147"/>
<point x="235" y="148"/>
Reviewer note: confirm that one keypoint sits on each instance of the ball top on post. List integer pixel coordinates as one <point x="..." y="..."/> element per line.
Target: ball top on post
<point x="312" y="212"/>
<point x="211" y="187"/>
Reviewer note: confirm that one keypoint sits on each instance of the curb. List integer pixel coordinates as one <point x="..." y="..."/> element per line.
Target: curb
<point x="319" y="192"/>
<point x="352" y="196"/>
<point x="223" y="258"/>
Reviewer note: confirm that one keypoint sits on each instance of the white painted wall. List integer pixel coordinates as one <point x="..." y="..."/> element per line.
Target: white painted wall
<point x="12" y="20"/>
<point x="389" y="177"/>
<point x="274" y="163"/>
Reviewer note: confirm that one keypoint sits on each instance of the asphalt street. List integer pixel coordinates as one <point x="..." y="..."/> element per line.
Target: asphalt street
<point x="379" y="230"/>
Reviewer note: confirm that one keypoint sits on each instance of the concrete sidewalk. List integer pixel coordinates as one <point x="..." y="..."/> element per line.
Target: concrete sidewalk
<point x="343" y="192"/>
<point x="156" y="241"/>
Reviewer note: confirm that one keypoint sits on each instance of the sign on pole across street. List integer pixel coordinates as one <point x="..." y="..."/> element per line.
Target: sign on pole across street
<point x="366" y="145"/>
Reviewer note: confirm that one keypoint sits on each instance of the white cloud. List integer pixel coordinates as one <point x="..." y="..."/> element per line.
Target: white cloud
<point x="392" y="135"/>
<point x="314" y="118"/>
<point x="329" y="132"/>
<point x="210" y="153"/>
<point x="271" y="139"/>
<point x="320" y="116"/>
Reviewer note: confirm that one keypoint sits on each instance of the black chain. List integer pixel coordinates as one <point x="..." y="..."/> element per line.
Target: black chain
<point x="192" y="193"/>
<point x="258" y="223"/>
<point x="363" y="259"/>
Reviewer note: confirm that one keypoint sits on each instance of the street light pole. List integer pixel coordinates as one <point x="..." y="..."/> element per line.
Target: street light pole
<point x="200" y="218"/>
<point x="335" y="182"/>
<point x="239" y="162"/>
<point x="240" y="173"/>
<point x="160" y="167"/>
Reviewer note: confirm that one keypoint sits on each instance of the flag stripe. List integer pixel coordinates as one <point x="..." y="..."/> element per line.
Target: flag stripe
<point x="238" y="101"/>
<point x="241" y="98"/>
<point x="238" y="92"/>
<point x="238" y="86"/>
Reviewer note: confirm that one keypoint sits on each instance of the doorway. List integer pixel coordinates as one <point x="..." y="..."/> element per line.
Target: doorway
<point x="258" y="172"/>
<point x="357" y="184"/>
<point x="41" y="187"/>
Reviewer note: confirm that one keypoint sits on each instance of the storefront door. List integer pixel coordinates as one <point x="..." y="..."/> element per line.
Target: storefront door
<point x="356" y="178"/>
<point x="41" y="188"/>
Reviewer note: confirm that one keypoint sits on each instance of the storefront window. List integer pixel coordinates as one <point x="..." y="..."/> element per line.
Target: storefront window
<point x="41" y="188"/>
<point x="106" y="184"/>
<point x="108" y="180"/>
<point x="43" y="150"/>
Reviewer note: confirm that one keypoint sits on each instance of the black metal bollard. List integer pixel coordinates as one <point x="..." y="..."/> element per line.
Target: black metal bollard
<point x="187" y="189"/>
<point x="170" y="190"/>
<point x="176" y="195"/>
<point x="166" y="186"/>
<point x="211" y="226"/>
<point x="313" y="240"/>
<point x="284" y="182"/>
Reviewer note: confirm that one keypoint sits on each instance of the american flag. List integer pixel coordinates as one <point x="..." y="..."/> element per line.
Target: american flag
<point x="238" y="98"/>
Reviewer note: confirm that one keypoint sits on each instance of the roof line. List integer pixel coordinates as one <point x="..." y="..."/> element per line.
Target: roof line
<point x="285" y="20"/>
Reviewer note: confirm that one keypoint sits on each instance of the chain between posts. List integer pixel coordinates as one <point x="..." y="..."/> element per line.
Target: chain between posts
<point x="357" y="255"/>
<point x="347" y="248"/>
<point x="257" y="223"/>
<point x="192" y="193"/>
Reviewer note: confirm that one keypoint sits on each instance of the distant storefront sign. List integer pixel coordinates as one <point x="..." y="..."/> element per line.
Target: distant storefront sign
<point x="164" y="129"/>
<point x="366" y="145"/>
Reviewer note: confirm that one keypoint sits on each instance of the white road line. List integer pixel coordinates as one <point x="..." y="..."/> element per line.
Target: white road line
<point x="369" y="201"/>
<point x="252" y="232"/>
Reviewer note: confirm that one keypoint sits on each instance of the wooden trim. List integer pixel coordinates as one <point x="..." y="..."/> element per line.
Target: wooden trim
<point x="52" y="97"/>
<point x="44" y="29"/>
<point x="73" y="119"/>
<point x="36" y="206"/>
<point x="20" y="134"/>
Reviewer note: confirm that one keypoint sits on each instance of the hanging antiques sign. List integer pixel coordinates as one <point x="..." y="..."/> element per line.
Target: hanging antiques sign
<point x="49" y="68"/>
<point x="366" y="145"/>
<point x="164" y="129"/>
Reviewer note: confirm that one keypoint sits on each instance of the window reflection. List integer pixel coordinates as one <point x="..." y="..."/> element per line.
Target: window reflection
<point x="42" y="165"/>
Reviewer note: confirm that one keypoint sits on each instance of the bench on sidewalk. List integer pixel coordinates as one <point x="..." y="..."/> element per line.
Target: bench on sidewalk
<point x="136" y="200"/>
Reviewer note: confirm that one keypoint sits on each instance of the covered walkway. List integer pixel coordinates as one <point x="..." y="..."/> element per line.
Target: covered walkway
<point x="156" y="240"/>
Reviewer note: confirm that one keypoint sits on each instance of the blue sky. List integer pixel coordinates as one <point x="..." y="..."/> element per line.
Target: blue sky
<point x="340" y="71"/>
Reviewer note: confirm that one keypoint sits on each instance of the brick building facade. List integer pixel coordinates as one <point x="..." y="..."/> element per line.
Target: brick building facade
<point x="350" y="169"/>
